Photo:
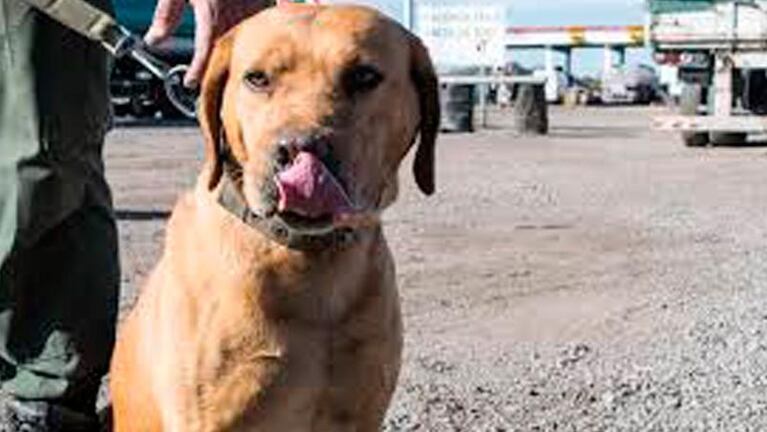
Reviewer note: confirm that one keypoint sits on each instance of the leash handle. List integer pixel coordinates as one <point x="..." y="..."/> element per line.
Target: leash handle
<point x="83" y="18"/>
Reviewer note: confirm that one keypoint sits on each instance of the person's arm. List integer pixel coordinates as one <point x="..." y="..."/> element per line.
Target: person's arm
<point x="212" y="19"/>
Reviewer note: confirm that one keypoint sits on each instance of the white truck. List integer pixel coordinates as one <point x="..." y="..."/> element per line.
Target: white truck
<point x="720" y="49"/>
<point x="634" y="85"/>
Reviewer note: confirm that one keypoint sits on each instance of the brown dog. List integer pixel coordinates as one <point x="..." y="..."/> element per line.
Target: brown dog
<point x="274" y="306"/>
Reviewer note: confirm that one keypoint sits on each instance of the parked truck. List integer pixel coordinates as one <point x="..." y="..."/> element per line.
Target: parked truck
<point x="720" y="50"/>
<point x="634" y="85"/>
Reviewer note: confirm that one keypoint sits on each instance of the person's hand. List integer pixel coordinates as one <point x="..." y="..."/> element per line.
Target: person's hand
<point x="212" y="19"/>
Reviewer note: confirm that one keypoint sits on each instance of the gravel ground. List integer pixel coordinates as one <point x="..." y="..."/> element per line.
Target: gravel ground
<point x="601" y="278"/>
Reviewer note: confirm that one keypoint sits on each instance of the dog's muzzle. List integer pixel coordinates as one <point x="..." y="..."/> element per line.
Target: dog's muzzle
<point x="307" y="178"/>
<point x="309" y="197"/>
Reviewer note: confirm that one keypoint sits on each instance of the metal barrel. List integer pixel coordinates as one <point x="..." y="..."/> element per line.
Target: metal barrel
<point x="457" y="102"/>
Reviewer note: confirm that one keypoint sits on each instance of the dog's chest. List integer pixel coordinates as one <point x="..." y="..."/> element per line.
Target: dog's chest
<point x="285" y="341"/>
<point x="286" y="347"/>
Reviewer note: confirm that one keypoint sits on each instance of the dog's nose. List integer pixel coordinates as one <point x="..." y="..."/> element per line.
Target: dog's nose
<point x="289" y="145"/>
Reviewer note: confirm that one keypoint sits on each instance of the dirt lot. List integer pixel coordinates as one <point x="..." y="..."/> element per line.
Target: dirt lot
<point x="601" y="278"/>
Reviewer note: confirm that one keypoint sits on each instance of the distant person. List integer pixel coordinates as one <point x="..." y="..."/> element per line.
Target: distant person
<point x="59" y="278"/>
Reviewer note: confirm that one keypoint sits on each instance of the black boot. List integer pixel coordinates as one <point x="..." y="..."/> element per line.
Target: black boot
<point x="36" y="416"/>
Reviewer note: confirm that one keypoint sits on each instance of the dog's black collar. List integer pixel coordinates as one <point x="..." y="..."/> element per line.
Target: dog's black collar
<point x="273" y="227"/>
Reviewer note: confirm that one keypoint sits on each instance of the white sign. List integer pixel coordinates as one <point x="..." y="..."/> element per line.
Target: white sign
<point x="463" y="33"/>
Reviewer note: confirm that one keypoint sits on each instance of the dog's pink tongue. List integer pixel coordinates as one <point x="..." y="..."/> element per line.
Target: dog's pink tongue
<point x="309" y="189"/>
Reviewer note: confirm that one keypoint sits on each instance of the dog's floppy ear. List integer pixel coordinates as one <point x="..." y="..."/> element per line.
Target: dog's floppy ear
<point x="211" y="97"/>
<point x="427" y="85"/>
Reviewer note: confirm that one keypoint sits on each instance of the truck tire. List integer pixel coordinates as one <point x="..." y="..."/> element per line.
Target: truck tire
<point x="121" y="110"/>
<point x="756" y="89"/>
<point x="692" y="94"/>
<point x="728" y="138"/>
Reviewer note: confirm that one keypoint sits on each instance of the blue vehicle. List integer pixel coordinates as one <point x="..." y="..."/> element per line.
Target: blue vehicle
<point x="135" y="91"/>
<point x="136" y="15"/>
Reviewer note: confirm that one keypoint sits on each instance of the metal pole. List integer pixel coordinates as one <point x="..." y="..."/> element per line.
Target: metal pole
<point x="407" y="19"/>
<point x="483" y="90"/>
<point x="723" y="71"/>
<point x="608" y="61"/>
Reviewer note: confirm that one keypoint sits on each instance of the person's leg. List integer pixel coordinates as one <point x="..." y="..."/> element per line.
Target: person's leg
<point x="59" y="274"/>
<point x="59" y="329"/>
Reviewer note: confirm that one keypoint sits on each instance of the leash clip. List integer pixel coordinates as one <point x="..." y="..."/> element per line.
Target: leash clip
<point x="182" y="97"/>
<point x="128" y="44"/>
<point x="120" y="42"/>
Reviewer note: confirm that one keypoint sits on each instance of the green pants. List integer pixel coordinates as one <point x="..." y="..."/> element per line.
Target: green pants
<point x="59" y="273"/>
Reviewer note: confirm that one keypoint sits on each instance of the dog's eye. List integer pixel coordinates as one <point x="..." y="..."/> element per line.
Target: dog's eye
<point x="258" y="80"/>
<point x="362" y="78"/>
